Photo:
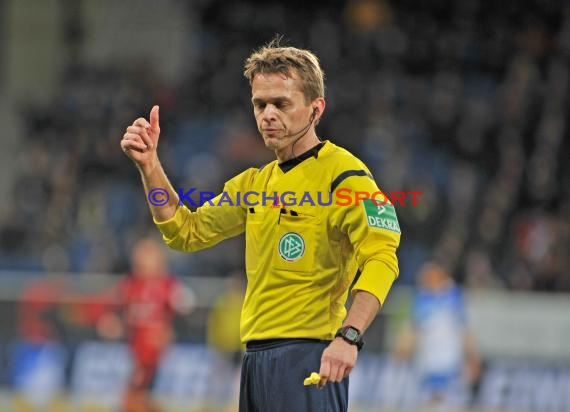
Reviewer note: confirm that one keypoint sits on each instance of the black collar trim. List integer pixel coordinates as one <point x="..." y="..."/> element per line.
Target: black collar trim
<point x="291" y="163"/>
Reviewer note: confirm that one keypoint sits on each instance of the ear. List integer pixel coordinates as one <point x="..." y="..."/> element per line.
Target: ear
<point x="318" y="109"/>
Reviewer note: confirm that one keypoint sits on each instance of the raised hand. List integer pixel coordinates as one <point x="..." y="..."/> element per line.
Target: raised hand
<point x="141" y="140"/>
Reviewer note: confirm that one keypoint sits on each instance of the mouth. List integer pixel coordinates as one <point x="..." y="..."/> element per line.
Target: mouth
<point x="271" y="131"/>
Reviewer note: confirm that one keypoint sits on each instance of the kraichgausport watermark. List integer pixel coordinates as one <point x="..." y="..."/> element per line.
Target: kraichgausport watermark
<point x="340" y="197"/>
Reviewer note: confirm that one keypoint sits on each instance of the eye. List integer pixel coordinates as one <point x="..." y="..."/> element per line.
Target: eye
<point x="259" y="105"/>
<point x="282" y="104"/>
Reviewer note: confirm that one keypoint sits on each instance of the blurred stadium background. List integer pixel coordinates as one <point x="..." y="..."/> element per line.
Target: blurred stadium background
<point x="465" y="101"/>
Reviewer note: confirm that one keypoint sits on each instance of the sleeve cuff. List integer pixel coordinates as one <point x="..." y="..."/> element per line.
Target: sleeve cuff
<point x="170" y="228"/>
<point x="376" y="278"/>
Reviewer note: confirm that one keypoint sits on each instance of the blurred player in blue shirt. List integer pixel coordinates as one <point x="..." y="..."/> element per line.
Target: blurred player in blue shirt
<point x="438" y="339"/>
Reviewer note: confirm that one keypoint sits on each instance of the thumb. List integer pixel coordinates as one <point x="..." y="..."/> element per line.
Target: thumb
<point x="154" y="125"/>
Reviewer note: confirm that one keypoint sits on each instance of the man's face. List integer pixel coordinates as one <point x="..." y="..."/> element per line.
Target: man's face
<point x="148" y="259"/>
<point x="434" y="278"/>
<point x="280" y="109"/>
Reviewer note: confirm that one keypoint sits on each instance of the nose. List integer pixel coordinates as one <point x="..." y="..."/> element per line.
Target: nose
<point x="270" y="113"/>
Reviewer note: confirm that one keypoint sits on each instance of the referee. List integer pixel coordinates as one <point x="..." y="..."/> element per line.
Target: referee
<point x="301" y="256"/>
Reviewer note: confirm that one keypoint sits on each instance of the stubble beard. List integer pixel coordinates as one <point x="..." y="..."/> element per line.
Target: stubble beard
<point x="275" y="142"/>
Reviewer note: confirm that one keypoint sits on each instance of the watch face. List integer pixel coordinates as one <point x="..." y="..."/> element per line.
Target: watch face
<point x="351" y="334"/>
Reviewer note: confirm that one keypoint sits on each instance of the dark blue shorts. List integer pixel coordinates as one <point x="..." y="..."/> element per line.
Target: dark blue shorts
<point x="272" y="378"/>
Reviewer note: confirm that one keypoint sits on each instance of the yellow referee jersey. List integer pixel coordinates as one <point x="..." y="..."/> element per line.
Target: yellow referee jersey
<point x="306" y="238"/>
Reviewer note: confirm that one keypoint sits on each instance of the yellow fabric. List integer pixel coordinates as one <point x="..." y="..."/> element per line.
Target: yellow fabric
<point x="304" y="296"/>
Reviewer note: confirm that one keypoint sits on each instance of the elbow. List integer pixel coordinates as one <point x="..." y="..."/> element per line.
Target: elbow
<point x="177" y="244"/>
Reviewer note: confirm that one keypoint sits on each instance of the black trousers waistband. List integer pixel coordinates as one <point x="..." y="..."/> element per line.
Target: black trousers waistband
<point x="270" y="343"/>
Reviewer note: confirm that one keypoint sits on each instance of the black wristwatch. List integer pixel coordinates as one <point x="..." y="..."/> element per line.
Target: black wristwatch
<point x="351" y="335"/>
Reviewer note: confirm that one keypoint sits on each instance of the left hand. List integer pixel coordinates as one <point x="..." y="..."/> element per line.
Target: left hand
<point x="337" y="361"/>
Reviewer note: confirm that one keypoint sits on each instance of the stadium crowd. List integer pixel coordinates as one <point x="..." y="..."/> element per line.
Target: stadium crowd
<point x="466" y="102"/>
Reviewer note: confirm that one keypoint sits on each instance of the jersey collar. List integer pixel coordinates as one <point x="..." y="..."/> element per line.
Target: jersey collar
<point x="291" y="163"/>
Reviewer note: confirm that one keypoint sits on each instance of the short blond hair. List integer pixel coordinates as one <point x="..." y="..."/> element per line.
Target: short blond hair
<point x="273" y="58"/>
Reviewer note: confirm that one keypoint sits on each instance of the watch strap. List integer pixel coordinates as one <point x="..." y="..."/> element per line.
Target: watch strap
<point x="351" y="335"/>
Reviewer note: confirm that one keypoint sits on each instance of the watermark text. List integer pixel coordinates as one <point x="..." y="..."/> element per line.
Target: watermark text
<point x="340" y="197"/>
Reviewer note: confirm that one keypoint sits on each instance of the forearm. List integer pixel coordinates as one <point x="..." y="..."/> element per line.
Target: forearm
<point x="154" y="178"/>
<point x="364" y="308"/>
<point x="340" y="356"/>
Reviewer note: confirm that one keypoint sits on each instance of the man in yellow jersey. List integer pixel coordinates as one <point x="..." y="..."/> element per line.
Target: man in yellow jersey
<point x="304" y="246"/>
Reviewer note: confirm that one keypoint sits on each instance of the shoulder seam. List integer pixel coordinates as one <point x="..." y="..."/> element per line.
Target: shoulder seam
<point x="346" y="174"/>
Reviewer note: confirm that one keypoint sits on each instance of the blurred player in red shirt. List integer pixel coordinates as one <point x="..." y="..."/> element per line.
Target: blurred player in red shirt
<point x="149" y="298"/>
